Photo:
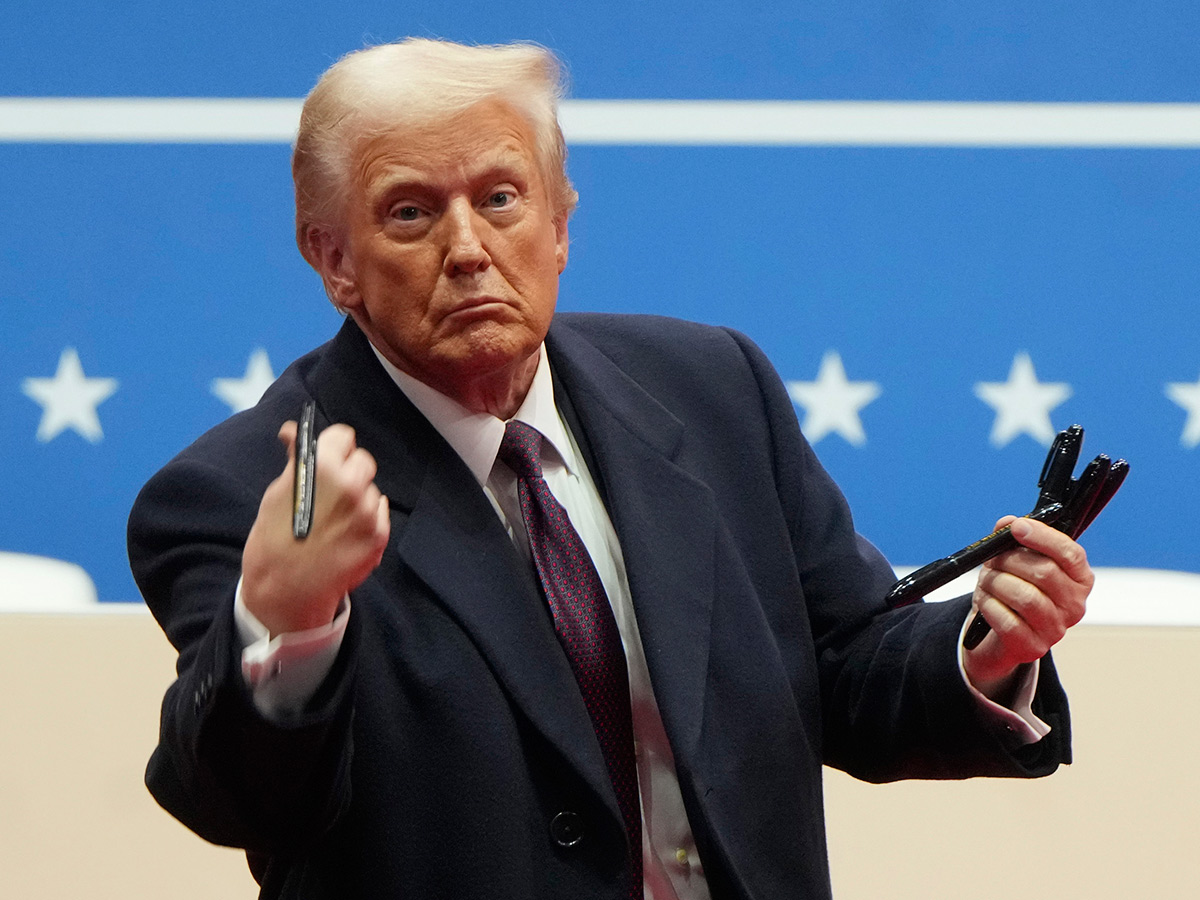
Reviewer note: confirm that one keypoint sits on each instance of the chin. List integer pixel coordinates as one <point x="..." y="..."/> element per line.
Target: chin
<point x="495" y="345"/>
<point x="482" y="353"/>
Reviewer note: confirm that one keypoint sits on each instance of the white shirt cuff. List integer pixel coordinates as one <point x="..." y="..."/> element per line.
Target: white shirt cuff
<point x="283" y="672"/>
<point x="1019" y="719"/>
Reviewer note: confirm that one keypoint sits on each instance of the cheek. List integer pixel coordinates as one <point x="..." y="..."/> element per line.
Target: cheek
<point x="403" y="283"/>
<point x="543" y="262"/>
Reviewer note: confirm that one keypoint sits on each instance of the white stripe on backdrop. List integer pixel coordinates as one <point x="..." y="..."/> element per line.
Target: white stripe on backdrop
<point x="633" y="122"/>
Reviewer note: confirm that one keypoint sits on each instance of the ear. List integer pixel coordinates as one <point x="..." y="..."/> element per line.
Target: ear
<point x="324" y="250"/>
<point x="562" y="241"/>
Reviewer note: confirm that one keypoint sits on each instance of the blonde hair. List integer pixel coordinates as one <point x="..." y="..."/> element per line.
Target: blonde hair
<point x="416" y="81"/>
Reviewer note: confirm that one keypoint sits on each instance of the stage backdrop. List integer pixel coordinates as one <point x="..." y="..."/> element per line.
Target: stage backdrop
<point x="954" y="227"/>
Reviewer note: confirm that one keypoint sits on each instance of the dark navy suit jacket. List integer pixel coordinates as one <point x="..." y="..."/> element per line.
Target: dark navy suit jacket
<point x="450" y="734"/>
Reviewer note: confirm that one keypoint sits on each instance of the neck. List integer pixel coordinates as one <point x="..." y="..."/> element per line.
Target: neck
<point x="500" y="394"/>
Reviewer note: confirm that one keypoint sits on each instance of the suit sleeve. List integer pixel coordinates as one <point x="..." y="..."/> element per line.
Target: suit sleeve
<point x="894" y="703"/>
<point x="220" y="767"/>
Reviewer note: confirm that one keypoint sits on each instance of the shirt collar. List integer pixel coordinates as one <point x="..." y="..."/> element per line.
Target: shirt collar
<point x="476" y="437"/>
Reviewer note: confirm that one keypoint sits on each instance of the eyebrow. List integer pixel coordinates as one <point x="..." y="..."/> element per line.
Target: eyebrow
<point x="509" y="164"/>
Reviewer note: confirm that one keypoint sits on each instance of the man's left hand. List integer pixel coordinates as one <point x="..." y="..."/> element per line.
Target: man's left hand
<point x="1030" y="596"/>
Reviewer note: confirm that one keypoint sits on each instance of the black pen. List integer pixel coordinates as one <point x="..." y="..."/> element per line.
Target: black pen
<point x="1089" y="495"/>
<point x="1084" y="492"/>
<point x="1082" y="496"/>
<point x="306" y="470"/>
<point x="1055" y="480"/>
<point x="942" y="571"/>
<point x="1116" y="476"/>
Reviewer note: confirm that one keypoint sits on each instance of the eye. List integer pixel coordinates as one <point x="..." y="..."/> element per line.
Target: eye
<point x="500" y="199"/>
<point x="407" y="213"/>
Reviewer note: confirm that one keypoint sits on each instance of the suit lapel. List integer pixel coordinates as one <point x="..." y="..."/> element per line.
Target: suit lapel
<point x="446" y="531"/>
<point x="455" y="543"/>
<point x="665" y="518"/>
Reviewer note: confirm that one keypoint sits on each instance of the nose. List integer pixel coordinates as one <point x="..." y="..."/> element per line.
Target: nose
<point x="465" y="252"/>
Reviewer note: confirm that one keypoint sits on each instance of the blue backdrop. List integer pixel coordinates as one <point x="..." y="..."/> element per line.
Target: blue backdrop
<point x="927" y="271"/>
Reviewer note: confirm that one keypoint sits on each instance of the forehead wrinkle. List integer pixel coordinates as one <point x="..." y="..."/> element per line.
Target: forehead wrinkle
<point x="387" y="172"/>
<point x="462" y="147"/>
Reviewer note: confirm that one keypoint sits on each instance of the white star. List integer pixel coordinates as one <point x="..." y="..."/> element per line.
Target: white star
<point x="1022" y="403"/>
<point x="1188" y="396"/>
<point x="832" y="403"/>
<point x="69" y="399"/>
<point x="243" y="393"/>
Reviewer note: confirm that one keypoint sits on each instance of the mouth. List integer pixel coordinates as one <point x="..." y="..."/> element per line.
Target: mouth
<point x="478" y="306"/>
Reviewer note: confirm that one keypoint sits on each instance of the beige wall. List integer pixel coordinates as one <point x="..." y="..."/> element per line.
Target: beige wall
<point x="1121" y="823"/>
<point x="79" y="717"/>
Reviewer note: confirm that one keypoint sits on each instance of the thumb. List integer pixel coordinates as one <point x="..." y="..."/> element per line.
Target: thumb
<point x="287" y="437"/>
<point x="1005" y="520"/>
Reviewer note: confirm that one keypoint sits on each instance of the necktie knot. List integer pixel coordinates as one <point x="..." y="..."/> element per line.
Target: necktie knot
<point x="521" y="450"/>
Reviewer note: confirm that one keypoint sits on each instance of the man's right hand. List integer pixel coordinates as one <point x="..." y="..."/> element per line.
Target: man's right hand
<point x="294" y="585"/>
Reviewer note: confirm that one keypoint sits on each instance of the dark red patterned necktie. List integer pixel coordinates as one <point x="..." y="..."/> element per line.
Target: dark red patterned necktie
<point x="584" y="622"/>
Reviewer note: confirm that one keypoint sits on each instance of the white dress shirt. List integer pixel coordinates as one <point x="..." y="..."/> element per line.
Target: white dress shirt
<point x="284" y="671"/>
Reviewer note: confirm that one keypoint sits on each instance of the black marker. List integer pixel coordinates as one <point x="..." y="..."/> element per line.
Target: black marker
<point x="1067" y="504"/>
<point x="1088" y="496"/>
<point x="1055" y="480"/>
<point x="942" y="571"/>
<point x="306" y="470"/>
<point x="1116" y="475"/>
<point x="1084" y="492"/>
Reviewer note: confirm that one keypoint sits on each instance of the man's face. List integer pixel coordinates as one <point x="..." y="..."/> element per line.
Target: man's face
<point x="451" y="252"/>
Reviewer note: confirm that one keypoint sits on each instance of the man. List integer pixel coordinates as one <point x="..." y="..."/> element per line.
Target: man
<point x="397" y="705"/>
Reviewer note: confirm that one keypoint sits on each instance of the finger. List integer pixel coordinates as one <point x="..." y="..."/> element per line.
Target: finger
<point x="1037" y="576"/>
<point x="383" y="526"/>
<point x="384" y="520"/>
<point x="363" y="508"/>
<point x="347" y="488"/>
<point x="287" y="437"/>
<point x="336" y="442"/>
<point x="1028" y="602"/>
<point x="1017" y="640"/>
<point x="358" y="470"/>
<point x="369" y="544"/>
<point x="1066" y="553"/>
<point x="372" y="523"/>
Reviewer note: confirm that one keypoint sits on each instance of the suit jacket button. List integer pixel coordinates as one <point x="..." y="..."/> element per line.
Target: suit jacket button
<point x="566" y="829"/>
